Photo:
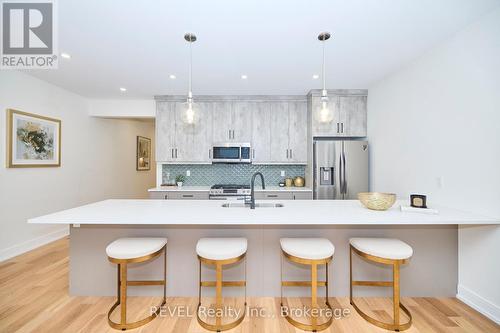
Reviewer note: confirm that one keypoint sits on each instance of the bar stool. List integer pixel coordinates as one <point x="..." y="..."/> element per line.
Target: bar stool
<point x="124" y="251"/>
<point x="389" y="252"/>
<point x="220" y="252"/>
<point x="311" y="252"/>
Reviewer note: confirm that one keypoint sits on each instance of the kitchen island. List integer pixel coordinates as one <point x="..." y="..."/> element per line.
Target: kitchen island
<point x="432" y="271"/>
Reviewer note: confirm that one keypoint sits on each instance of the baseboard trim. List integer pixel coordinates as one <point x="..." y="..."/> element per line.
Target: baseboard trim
<point x="478" y="303"/>
<point x="31" y="244"/>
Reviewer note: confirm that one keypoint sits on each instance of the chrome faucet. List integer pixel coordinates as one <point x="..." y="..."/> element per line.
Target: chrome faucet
<point x="252" y="187"/>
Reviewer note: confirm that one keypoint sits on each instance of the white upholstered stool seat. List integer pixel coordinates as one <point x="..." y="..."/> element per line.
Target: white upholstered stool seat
<point x="308" y="248"/>
<point x="221" y="248"/>
<point x="387" y="248"/>
<point x="136" y="247"/>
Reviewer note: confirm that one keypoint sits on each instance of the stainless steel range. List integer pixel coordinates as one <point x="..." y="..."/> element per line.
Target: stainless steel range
<point x="229" y="192"/>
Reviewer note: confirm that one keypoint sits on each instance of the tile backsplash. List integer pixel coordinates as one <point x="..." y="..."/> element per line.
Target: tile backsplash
<point x="210" y="174"/>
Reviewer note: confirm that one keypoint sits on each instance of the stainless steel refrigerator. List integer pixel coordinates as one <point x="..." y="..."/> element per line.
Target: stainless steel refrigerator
<point x="340" y="169"/>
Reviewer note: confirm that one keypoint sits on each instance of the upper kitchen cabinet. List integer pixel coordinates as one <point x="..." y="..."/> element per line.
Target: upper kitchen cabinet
<point x="221" y="121"/>
<point x="242" y="121"/>
<point x="288" y="122"/>
<point x="193" y="141"/>
<point x="232" y="121"/>
<point x="179" y="142"/>
<point x="297" y="131"/>
<point x="349" y="108"/>
<point x="165" y="131"/>
<point x="279" y="132"/>
<point x="261" y="132"/>
<point x="353" y="109"/>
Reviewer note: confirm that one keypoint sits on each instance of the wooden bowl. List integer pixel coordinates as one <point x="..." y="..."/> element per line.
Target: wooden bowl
<point x="377" y="200"/>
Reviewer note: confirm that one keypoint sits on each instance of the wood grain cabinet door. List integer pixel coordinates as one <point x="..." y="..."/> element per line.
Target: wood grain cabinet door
<point x="165" y="131"/>
<point x="355" y="121"/>
<point x="261" y="132"/>
<point x="330" y="129"/>
<point x="279" y="132"/>
<point x="221" y="122"/>
<point x="297" y="132"/>
<point x="241" y="121"/>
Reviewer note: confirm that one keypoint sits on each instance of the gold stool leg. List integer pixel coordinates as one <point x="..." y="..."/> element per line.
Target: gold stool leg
<point x="123" y="293"/>
<point x="395" y="284"/>
<point x="219" y="283"/>
<point x="122" y="284"/>
<point x="395" y="294"/>
<point x="314" y="295"/>
<point x="313" y="283"/>
<point x="218" y="293"/>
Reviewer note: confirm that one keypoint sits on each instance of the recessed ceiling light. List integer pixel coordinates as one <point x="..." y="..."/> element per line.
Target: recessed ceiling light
<point x="244" y="77"/>
<point x="66" y="55"/>
<point x="123" y="89"/>
<point x="172" y="76"/>
<point x="315" y="76"/>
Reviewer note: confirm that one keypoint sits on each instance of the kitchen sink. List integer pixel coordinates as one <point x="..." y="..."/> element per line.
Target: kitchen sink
<point x="257" y="205"/>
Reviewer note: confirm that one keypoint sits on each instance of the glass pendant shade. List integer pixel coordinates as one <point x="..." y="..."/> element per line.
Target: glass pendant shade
<point x="324" y="113"/>
<point x="191" y="112"/>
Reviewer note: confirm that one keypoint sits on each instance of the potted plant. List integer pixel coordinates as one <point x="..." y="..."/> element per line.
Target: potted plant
<point x="179" y="179"/>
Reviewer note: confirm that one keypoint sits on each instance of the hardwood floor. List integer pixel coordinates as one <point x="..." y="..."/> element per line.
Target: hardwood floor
<point x="34" y="298"/>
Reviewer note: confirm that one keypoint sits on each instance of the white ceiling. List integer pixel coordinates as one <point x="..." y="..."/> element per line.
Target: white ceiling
<point x="138" y="44"/>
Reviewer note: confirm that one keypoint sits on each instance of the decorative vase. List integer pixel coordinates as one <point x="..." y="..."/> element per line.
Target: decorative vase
<point x="179" y="184"/>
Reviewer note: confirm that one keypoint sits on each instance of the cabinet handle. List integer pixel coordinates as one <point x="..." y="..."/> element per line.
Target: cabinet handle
<point x="229" y="134"/>
<point x="175" y="152"/>
<point x="338" y="130"/>
<point x="166" y="196"/>
<point x="291" y="155"/>
<point x="233" y="134"/>
<point x="187" y="195"/>
<point x="287" y="153"/>
<point x="272" y="195"/>
<point x="342" y="127"/>
<point x="172" y="152"/>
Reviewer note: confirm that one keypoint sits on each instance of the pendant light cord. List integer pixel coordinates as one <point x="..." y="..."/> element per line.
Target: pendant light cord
<point x="190" y="93"/>
<point x="324" y="76"/>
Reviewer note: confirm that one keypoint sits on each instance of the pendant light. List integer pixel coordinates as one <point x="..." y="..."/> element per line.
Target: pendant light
<point x="324" y="113"/>
<point x="190" y="108"/>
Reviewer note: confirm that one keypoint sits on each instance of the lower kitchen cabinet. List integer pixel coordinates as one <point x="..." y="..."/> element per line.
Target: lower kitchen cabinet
<point x="289" y="195"/>
<point x="303" y="195"/>
<point x="179" y="195"/>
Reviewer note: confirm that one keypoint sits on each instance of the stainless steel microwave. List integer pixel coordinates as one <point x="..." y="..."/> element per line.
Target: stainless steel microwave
<point x="231" y="153"/>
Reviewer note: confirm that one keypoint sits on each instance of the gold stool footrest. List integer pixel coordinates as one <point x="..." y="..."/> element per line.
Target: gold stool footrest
<point x="220" y="327"/>
<point x="134" y="324"/>
<point x="310" y="327"/>
<point x="381" y="324"/>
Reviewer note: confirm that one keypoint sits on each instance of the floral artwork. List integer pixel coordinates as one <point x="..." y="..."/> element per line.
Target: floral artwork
<point x="33" y="140"/>
<point x="143" y="154"/>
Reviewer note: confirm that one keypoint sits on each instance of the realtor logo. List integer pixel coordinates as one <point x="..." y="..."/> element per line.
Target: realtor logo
<point x="28" y="35"/>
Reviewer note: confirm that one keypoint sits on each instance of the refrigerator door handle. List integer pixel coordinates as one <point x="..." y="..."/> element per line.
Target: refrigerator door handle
<point x="344" y="181"/>
<point x="341" y="173"/>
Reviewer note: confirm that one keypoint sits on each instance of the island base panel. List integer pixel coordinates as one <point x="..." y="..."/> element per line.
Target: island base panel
<point x="432" y="271"/>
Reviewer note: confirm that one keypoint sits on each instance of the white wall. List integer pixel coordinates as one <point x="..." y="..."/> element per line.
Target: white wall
<point x="98" y="162"/>
<point x="434" y="128"/>
<point x="122" y="108"/>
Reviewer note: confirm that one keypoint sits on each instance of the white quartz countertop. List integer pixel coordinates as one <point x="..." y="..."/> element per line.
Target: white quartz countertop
<point x="294" y="212"/>
<point x="258" y="188"/>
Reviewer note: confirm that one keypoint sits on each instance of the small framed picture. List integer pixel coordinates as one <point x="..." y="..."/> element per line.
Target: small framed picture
<point x="32" y="140"/>
<point x="143" y="154"/>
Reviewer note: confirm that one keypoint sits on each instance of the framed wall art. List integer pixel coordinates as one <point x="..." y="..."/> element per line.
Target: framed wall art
<point x="32" y="140"/>
<point x="143" y="154"/>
